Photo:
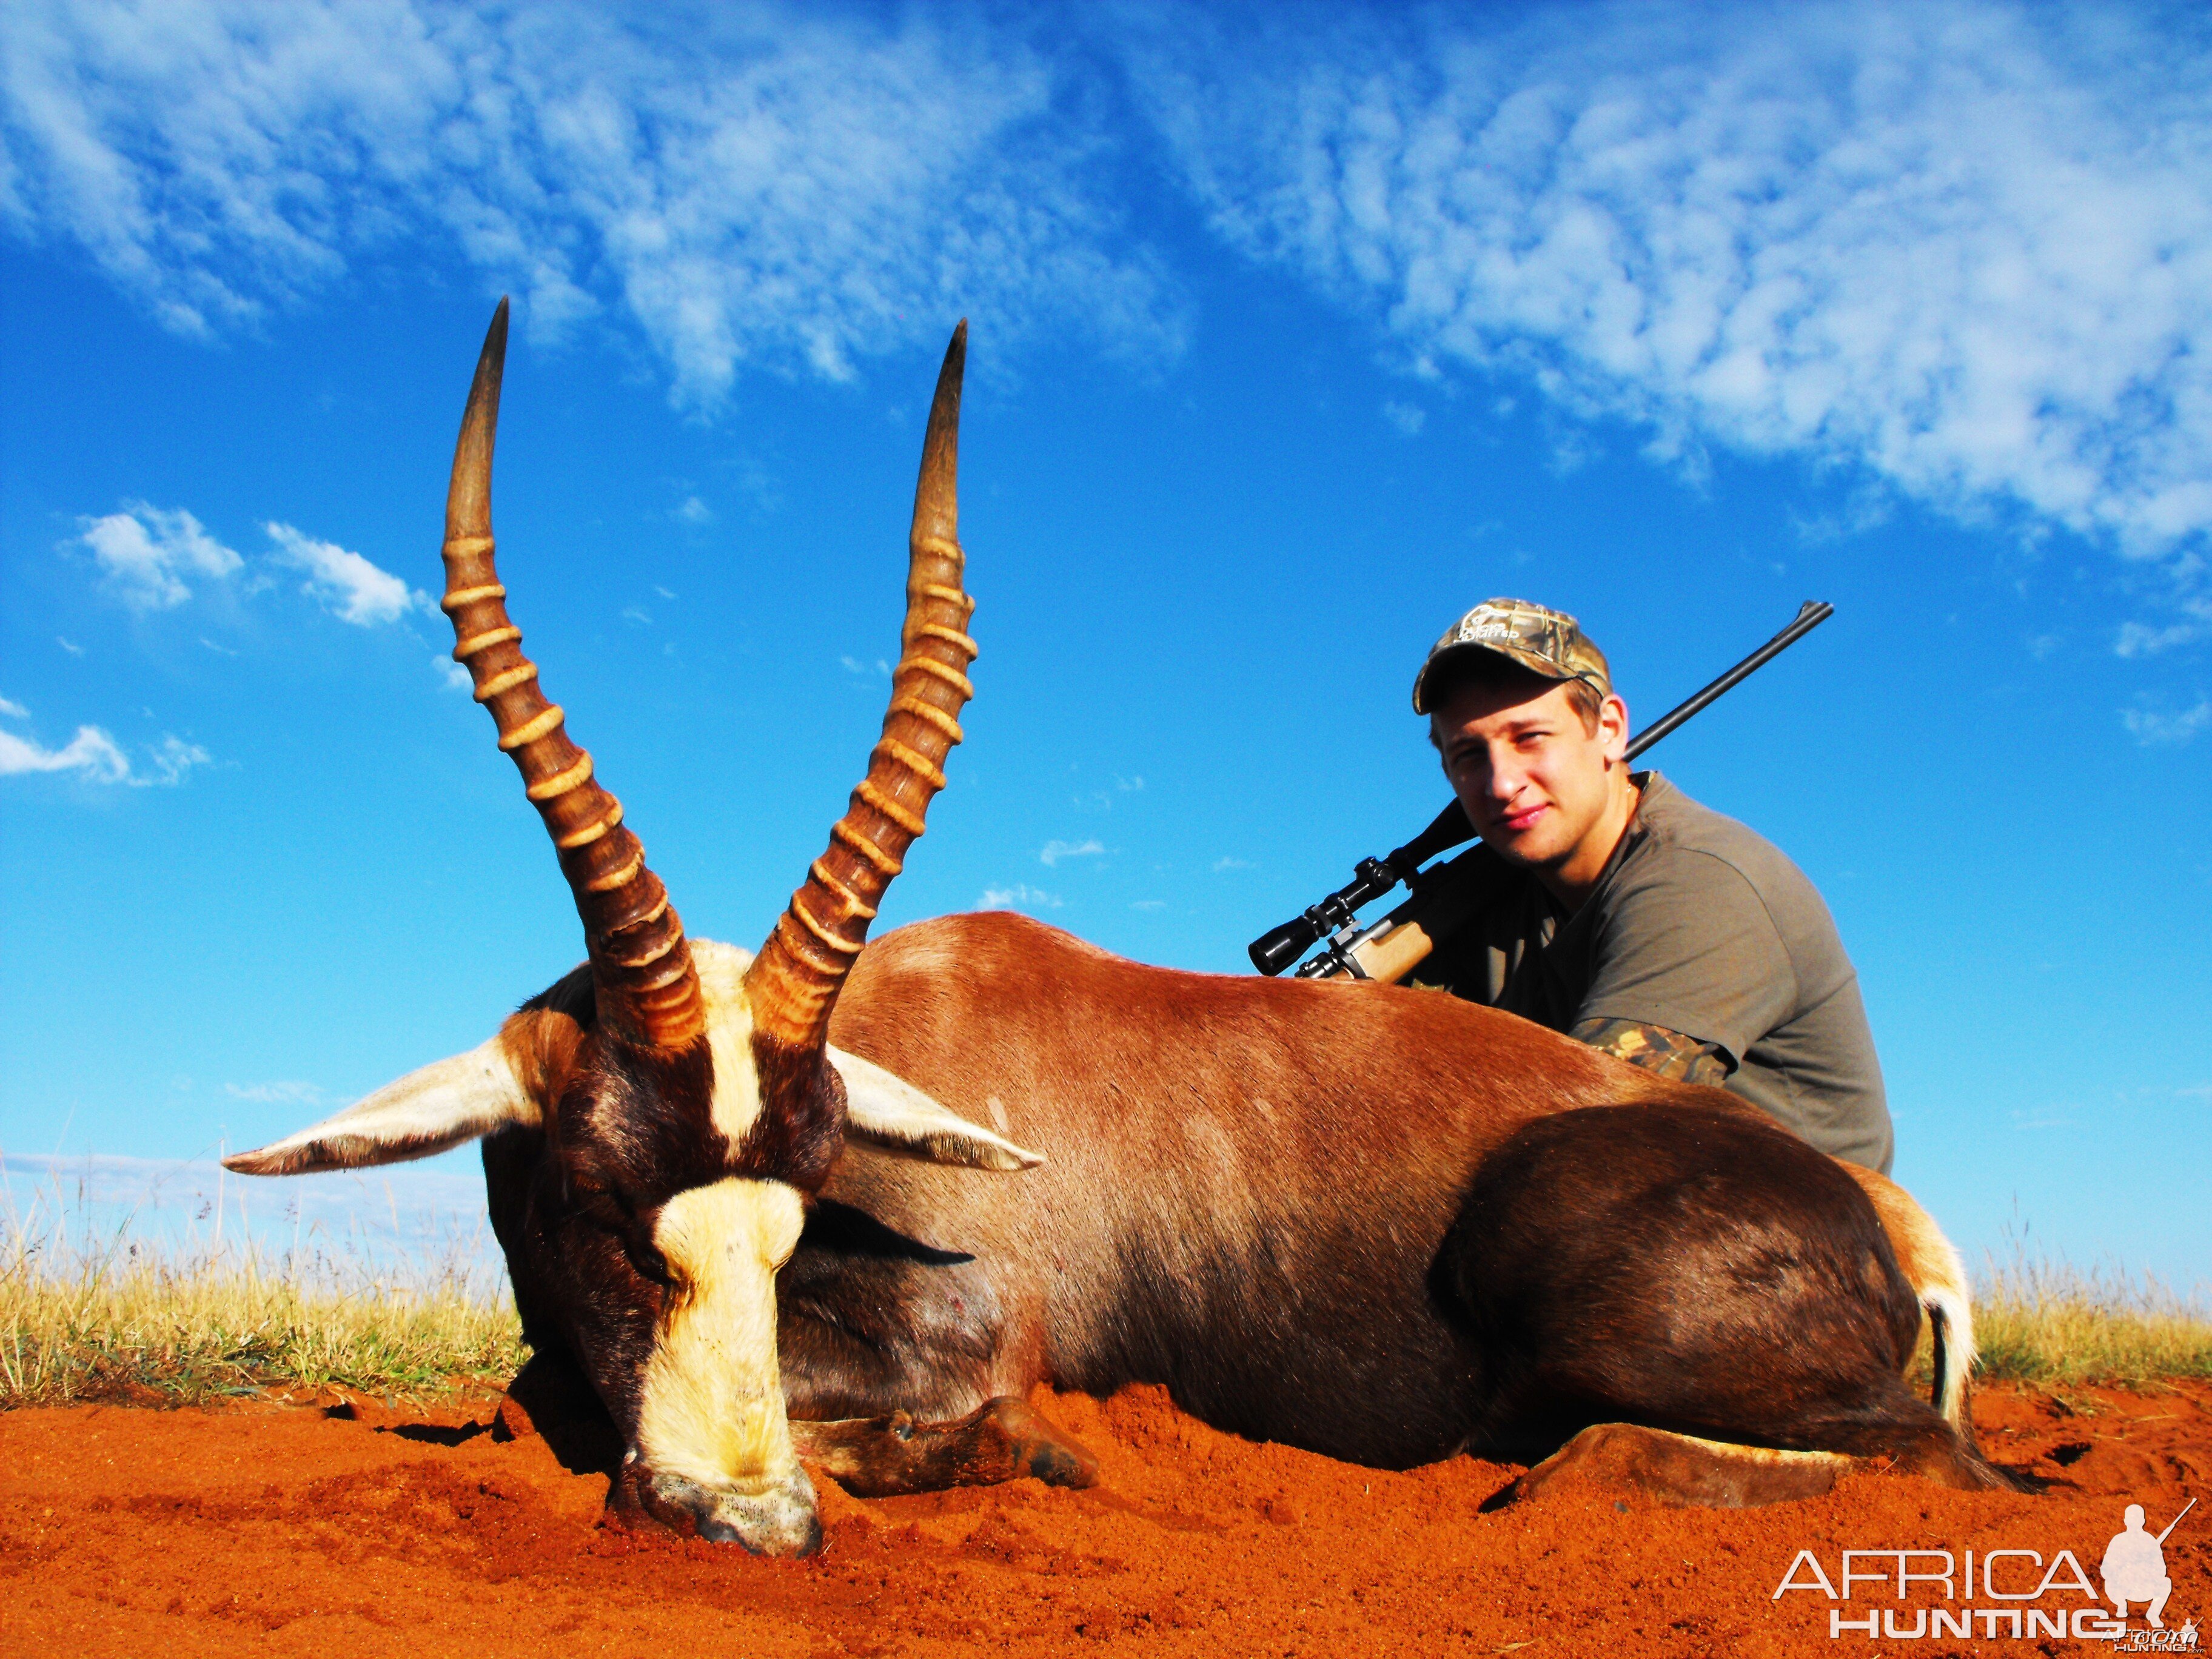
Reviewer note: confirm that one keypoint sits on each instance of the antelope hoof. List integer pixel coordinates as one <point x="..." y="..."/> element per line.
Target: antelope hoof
<point x="779" y="1520"/>
<point x="1000" y="1440"/>
<point x="1039" y="1449"/>
<point x="1677" y="1469"/>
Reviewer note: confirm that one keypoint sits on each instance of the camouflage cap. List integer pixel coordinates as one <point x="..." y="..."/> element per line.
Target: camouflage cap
<point x="1550" y="643"/>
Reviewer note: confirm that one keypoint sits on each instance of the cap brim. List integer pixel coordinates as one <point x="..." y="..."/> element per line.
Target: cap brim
<point x="1459" y="652"/>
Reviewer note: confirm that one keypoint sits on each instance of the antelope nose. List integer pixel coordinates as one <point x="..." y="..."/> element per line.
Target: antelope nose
<point x="780" y="1519"/>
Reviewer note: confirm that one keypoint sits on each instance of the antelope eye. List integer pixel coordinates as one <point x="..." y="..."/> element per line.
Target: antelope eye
<point x="594" y="1192"/>
<point x="649" y="1261"/>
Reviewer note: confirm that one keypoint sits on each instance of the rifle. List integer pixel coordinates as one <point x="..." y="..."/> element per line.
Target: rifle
<point x="1444" y="894"/>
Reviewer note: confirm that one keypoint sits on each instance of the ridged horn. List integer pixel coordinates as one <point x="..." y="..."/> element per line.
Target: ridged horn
<point x="647" y="988"/>
<point x="794" y="982"/>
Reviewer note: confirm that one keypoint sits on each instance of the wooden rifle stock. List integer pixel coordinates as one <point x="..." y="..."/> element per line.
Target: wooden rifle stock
<point x="1392" y="954"/>
<point x="1448" y="898"/>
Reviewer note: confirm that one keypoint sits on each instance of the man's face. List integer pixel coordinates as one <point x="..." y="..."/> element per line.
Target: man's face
<point x="1536" y="782"/>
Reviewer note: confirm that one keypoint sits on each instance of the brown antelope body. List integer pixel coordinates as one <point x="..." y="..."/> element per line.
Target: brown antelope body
<point x="1377" y="1223"/>
<point x="1373" y="1222"/>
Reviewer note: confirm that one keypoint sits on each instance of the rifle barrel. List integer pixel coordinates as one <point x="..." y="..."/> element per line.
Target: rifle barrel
<point x="1810" y="616"/>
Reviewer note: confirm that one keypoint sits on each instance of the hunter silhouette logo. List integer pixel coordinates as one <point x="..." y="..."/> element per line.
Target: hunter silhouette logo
<point x="2135" y="1566"/>
<point x="2023" y="1596"/>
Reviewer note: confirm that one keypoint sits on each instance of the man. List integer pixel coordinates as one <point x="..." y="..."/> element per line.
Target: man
<point x="1615" y="909"/>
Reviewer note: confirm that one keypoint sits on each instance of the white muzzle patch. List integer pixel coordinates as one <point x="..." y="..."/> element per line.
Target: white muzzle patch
<point x="711" y="1411"/>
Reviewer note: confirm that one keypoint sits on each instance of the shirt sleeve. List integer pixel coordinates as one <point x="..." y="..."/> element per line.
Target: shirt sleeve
<point x="1690" y="946"/>
<point x="1655" y="1049"/>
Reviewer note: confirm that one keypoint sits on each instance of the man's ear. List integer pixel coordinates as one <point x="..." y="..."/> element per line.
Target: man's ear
<point x="888" y="1112"/>
<point x="446" y="1103"/>
<point x="1613" y="720"/>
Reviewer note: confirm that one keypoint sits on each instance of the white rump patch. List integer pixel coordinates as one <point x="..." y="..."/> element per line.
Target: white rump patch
<point x="1931" y="1263"/>
<point x="445" y="1104"/>
<point x="885" y="1110"/>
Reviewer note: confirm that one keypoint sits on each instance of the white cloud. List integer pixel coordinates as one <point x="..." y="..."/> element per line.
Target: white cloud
<point x="753" y="183"/>
<point x="1965" y="247"/>
<point x="1408" y="419"/>
<point x="1019" y="896"/>
<point x="347" y="584"/>
<point x="173" y="759"/>
<point x="2153" y="728"/>
<point x="2140" y="640"/>
<point x="146" y="553"/>
<point x="451" y="674"/>
<point x="282" y="1093"/>
<point x="150" y="556"/>
<point x="91" y="751"/>
<point x="1959" y="248"/>
<point x="1221" y="864"/>
<point x="1055" y="851"/>
<point x="94" y="754"/>
<point x="695" y="511"/>
<point x="70" y="646"/>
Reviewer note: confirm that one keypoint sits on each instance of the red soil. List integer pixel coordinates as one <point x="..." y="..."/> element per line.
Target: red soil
<point x="287" y="1530"/>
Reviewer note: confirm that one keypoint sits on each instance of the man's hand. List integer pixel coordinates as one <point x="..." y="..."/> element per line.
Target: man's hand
<point x="1655" y="1049"/>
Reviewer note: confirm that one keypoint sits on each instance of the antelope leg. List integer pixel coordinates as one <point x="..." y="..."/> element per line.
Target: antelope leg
<point x="1000" y="1440"/>
<point x="1678" y="1469"/>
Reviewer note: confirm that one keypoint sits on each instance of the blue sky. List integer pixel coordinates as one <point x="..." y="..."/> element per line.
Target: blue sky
<point x="1294" y="333"/>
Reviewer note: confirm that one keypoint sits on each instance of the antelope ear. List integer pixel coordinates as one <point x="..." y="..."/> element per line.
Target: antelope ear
<point x="888" y="1112"/>
<point x="445" y="1104"/>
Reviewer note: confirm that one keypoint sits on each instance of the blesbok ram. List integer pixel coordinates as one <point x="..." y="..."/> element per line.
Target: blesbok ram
<point x="1373" y="1222"/>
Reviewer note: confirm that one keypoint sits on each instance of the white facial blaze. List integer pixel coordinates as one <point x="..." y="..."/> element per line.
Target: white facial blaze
<point x="729" y="1035"/>
<point x="881" y="1109"/>
<point x="712" y="1408"/>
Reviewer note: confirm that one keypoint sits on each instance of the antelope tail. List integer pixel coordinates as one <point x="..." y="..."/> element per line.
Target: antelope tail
<point x="1938" y="1278"/>
<point x="1952" y="1322"/>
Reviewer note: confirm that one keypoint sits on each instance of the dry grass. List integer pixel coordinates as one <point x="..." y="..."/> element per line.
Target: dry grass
<point x="122" y="1316"/>
<point x="2036" y="1321"/>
